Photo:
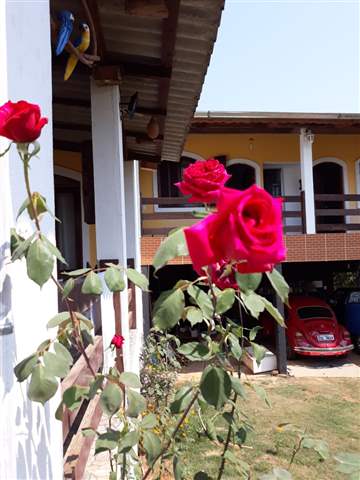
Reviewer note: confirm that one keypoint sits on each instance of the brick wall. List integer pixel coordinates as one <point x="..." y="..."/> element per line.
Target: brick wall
<point x="300" y="248"/>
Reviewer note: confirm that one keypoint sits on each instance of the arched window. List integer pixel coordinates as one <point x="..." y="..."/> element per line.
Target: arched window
<point x="168" y="174"/>
<point x="244" y="173"/>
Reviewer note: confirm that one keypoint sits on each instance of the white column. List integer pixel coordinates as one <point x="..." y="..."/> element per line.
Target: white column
<point x="133" y="242"/>
<point x="307" y="182"/>
<point x="109" y="203"/>
<point x="30" y="437"/>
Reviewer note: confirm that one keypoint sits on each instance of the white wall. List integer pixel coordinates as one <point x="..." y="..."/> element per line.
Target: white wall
<point x="30" y="437"/>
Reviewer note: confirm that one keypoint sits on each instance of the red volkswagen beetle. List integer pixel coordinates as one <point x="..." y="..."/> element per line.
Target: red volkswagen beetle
<point x="312" y="329"/>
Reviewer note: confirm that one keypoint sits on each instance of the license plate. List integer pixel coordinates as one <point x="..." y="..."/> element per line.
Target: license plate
<point x="325" y="338"/>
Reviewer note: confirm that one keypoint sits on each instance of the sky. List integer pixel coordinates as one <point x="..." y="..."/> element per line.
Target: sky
<point x="285" y="56"/>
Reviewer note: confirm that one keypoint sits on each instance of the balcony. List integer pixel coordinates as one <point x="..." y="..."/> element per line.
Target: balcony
<point x="334" y="213"/>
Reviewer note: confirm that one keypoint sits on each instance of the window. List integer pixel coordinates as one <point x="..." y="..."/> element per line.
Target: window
<point x="306" y="313"/>
<point x="170" y="173"/>
<point x="272" y="181"/>
<point x="68" y="211"/>
<point x="354" y="297"/>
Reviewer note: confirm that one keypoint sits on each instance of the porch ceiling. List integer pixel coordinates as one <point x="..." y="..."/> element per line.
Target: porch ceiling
<point x="161" y="49"/>
<point x="269" y="122"/>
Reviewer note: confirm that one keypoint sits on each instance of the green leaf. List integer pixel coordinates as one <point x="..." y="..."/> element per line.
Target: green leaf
<point x="23" y="207"/>
<point x="274" y="312"/>
<point x="73" y="397"/>
<point x="95" y="385"/>
<point x="202" y="300"/>
<point x="173" y="246"/>
<point x="55" y="365"/>
<point x="68" y="287"/>
<point x="43" y="347"/>
<point x="248" y="281"/>
<point x="130" y="379"/>
<point x="225" y="300"/>
<point x="39" y="262"/>
<point x="42" y="387"/>
<point x="319" y="446"/>
<point x="177" y="468"/>
<point x="194" y="315"/>
<point x="63" y="353"/>
<point x="181" y="400"/>
<point x="235" y="347"/>
<point x="279" y="284"/>
<point x="277" y="474"/>
<point x="238" y="387"/>
<point x="261" y="393"/>
<point x="152" y="446"/>
<point x="77" y="273"/>
<point x="195" y="351"/>
<point x="128" y="441"/>
<point x="15" y="240"/>
<point x="23" y="247"/>
<point x="348" y="463"/>
<point x="54" y="250"/>
<point x="259" y="352"/>
<point x="84" y="321"/>
<point x="240" y="436"/>
<point x="215" y="386"/>
<point x="59" y="414"/>
<point x="113" y="476"/>
<point x="58" y="319"/>
<point x="253" y="332"/>
<point x="25" y="367"/>
<point x="168" y="309"/>
<point x="137" y="278"/>
<point x="107" y="441"/>
<point x="149" y="421"/>
<point x="136" y="404"/>
<point x="111" y="399"/>
<point x="92" y="284"/>
<point x="253" y="302"/>
<point x="114" y="279"/>
<point x="88" y="432"/>
<point x="210" y="429"/>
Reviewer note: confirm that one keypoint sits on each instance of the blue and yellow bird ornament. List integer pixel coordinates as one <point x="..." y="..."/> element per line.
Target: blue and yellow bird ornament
<point x="82" y="43"/>
<point x="66" y="20"/>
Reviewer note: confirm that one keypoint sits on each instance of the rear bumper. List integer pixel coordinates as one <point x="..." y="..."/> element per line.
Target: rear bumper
<point x="313" y="351"/>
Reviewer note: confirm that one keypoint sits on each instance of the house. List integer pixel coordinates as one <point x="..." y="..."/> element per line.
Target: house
<point x="311" y="160"/>
<point x="129" y="101"/>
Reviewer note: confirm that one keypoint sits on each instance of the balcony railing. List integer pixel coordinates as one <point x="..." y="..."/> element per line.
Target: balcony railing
<point x="337" y="212"/>
<point x="160" y="215"/>
<point x="333" y="213"/>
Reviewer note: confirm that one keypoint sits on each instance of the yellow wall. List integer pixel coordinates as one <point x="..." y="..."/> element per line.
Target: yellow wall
<point x="263" y="149"/>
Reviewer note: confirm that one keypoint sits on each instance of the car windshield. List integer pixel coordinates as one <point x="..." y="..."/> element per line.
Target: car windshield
<point x="314" y="312"/>
<point x="354" y="297"/>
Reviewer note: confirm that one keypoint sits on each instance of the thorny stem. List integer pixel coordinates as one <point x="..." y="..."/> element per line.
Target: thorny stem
<point x="173" y="435"/>
<point x="227" y="441"/>
<point x="78" y="339"/>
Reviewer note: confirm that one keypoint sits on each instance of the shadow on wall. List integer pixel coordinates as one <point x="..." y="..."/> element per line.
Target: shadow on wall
<point x="25" y="429"/>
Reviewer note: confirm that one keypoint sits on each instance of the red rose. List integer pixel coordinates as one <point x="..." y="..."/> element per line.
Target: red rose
<point x="117" y="341"/>
<point x="203" y="180"/>
<point x="246" y="229"/>
<point x="223" y="275"/>
<point x="21" y="122"/>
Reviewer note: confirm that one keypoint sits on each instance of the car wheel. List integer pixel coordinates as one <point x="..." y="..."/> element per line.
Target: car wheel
<point x="290" y="354"/>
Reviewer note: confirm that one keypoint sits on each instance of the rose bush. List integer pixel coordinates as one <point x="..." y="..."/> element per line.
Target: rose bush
<point x="21" y="122"/>
<point x="247" y="228"/>
<point x="203" y="180"/>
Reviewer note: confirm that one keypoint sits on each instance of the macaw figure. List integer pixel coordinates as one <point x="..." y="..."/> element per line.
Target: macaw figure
<point x="66" y="20"/>
<point x="82" y="43"/>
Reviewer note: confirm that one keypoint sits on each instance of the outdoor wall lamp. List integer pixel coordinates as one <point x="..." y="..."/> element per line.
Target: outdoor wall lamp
<point x="310" y="137"/>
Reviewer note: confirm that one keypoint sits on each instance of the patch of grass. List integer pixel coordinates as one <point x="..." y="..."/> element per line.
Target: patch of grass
<point x="329" y="409"/>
